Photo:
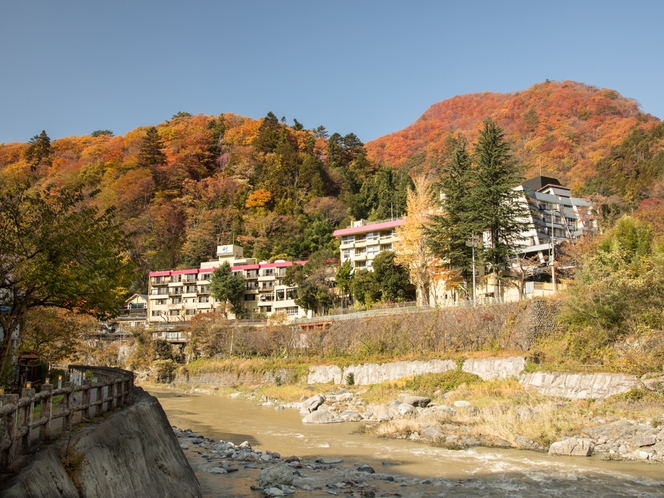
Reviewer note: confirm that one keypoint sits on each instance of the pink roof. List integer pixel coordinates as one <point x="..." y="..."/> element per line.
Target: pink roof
<point x="245" y="267"/>
<point x="368" y="228"/>
<point x="184" y="272"/>
<point x="160" y="273"/>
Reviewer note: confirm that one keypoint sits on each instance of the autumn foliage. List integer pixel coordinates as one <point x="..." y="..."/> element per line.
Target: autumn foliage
<point x="562" y="128"/>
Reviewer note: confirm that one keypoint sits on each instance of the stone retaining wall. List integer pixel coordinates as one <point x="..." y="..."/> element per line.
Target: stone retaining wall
<point x="579" y="386"/>
<point x="562" y="384"/>
<point x="132" y="453"/>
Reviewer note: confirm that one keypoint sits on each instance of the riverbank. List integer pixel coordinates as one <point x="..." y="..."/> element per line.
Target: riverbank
<point x="456" y="411"/>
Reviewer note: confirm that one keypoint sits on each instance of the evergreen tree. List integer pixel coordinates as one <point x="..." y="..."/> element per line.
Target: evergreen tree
<point x="268" y="134"/>
<point x="150" y="153"/>
<point x="449" y="231"/>
<point x="498" y="206"/>
<point x="391" y="276"/>
<point x="228" y="288"/>
<point x="344" y="279"/>
<point x="39" y="151"/>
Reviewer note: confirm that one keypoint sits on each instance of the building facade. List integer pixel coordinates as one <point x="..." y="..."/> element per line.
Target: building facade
<point x="363" y="240"/>
<point x="178" y="295"/>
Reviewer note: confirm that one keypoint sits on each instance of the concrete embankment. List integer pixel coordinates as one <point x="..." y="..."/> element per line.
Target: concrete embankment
<point x="562" y="384"/>
<point x="132" y="453"/>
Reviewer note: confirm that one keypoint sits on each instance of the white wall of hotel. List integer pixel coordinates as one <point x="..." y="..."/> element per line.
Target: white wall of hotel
<point x="178" y="295"/>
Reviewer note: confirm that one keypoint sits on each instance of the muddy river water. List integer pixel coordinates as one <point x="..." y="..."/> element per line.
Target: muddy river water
<point x="474" y="472"/>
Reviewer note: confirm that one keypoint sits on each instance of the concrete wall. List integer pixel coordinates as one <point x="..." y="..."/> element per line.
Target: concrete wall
<point x="375" y="373"/>
<point x="131" y="454"/>
<point x="562" y="384"/>
<point x="495" y="368"/>
<point x="579" y="386"/>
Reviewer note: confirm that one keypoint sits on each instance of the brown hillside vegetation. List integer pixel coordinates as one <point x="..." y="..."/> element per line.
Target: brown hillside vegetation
<point x="563" y="127"/>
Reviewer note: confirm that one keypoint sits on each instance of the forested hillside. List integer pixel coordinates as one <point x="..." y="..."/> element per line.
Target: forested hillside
<point x="193" y="182"/>
<point x="564" y="128"/>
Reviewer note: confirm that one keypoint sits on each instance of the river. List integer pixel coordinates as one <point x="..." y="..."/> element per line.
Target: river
<point x="474" y="472"/>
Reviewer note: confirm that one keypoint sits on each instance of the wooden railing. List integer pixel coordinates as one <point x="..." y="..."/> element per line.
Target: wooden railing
<point x="83" y="399"/>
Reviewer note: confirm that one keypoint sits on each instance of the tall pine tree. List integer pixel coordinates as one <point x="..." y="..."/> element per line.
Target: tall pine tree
<point x="498" y="206"/>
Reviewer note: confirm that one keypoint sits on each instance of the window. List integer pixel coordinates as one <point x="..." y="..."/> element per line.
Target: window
<point x="360" y="264"/>
<point x="155" y="313"/>
<point x="250" y="297"/>
<point x="190" y="278"/>
<point x="268" y="272"/>
<point x="176" y="300"/>
<point x="191" y="289"/>
<point x="372" y="236"/>
<point x="373" y="250"/>
<point x="203" y="289"/>
<point x="190" y="312"/>
<point x="176" y="278"/>
<point x="291" y="293"/>
<point x="267" y="309"/>
<point x="347" y="239"/>
<point x="292" y="311"/>
<point x="386" y="247"/>
<point x="281" y="295"/>
<point x="204" y="299"/>
<point x="174" y="312"/>
<point x="175" y="291"/>
<point x="360" y="251"/>
<point x="157" y="280"/>
<point x="360" y="238"/>
<point x="345" y="254"/>
<point x="160" y="302"/>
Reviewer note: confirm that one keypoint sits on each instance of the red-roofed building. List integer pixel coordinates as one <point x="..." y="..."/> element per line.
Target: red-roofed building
<point x="362" y="241"/>
<point x="178" y="295"/>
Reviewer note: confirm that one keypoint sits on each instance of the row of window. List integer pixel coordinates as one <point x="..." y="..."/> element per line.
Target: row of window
<point x="369" y="236"/>
<point x="193" y="277"/>
<point x="365" y="251"/>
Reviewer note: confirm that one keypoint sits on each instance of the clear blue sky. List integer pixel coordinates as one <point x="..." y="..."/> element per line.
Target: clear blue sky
<point x="71" y="67"/>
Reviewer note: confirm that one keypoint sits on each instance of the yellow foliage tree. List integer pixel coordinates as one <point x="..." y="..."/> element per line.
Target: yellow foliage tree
<point x="411" y="248"/>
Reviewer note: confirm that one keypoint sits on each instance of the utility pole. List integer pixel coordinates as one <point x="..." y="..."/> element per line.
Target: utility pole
<point x="553" y="250"/>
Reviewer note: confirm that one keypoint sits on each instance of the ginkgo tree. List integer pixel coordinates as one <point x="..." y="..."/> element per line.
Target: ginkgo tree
<point x="411" y="247"/>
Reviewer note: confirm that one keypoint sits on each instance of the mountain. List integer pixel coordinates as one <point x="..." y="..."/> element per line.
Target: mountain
<point x="561" y="128"/>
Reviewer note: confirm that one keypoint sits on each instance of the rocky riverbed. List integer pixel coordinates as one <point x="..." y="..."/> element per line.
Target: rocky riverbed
<point x="462" y="425"/>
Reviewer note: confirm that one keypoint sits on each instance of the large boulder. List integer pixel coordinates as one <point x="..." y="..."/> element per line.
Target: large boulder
<point x="573" y="447"/>
<point x="420" y="401"/>
<point x="313" y="403"/>
<point x="322" y="417"/>
<point x="276" y="476"/>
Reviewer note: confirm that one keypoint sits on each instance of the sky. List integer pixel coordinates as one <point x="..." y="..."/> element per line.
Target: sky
<point x="367" y="67"/>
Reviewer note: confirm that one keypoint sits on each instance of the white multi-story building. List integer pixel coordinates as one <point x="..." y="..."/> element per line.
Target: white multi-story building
<point x="178" y="295"/>
<point x="552" y="211"/>
<point x="362" y="241"/>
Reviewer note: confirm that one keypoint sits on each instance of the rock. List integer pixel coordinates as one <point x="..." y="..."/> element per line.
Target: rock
<point x="572" y="447"/>
<point x="275" y="476"/>
<point x="351" y="416"/>
<point x="328" y="461"/>
<point x="461" y="403"/>
<point x="218" y="470"/>
<point x="292" y="459"/>
<point x="644" y="441"/>
<point x="184" y="446"/>
<point x="432" y="433"/>
<point x="406" y="410"/>
<point x="528" y="444"/>
<point x="236" y="395"/>
<point x="266" y="458"/>
<point x="273" y="492"/>
<point x="384" y="416"/>
<point x="366" y="468"/>
<point x="641" y="455"/>
<point x="420" y="401"/>
<point x="322" y="417"/>
<point x="313" y="403"/>
<point x="653" y="382"/>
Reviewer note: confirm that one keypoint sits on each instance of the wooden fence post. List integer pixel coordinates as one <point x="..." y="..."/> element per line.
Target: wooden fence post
<point x="26" y="418"/>
<point x="68" y="421"/>
<point x="9" y="429"/>
<point x="46" y="411"/>
<point x="85" y="399"/>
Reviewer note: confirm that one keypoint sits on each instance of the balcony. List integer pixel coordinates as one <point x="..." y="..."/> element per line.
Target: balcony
<point x="175" y="291"/>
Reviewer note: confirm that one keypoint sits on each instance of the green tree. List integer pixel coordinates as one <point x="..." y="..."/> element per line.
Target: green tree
<point x="497" y="205"/>
<point x="228" y="288"/>
<point x="268" y="135"/>
<point x="39" y="151"/>
<point x="365" y="287"/>
<point x="391" y="276"/>
<point x="448" y="232"/>
<point x="151" y="154"/>
<point x="181" y="114"/>
<point x="344" y="280"/>
<point x="314" y="281"/>
<point x="101" y="133"/>
<point x="57" y="250"/>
